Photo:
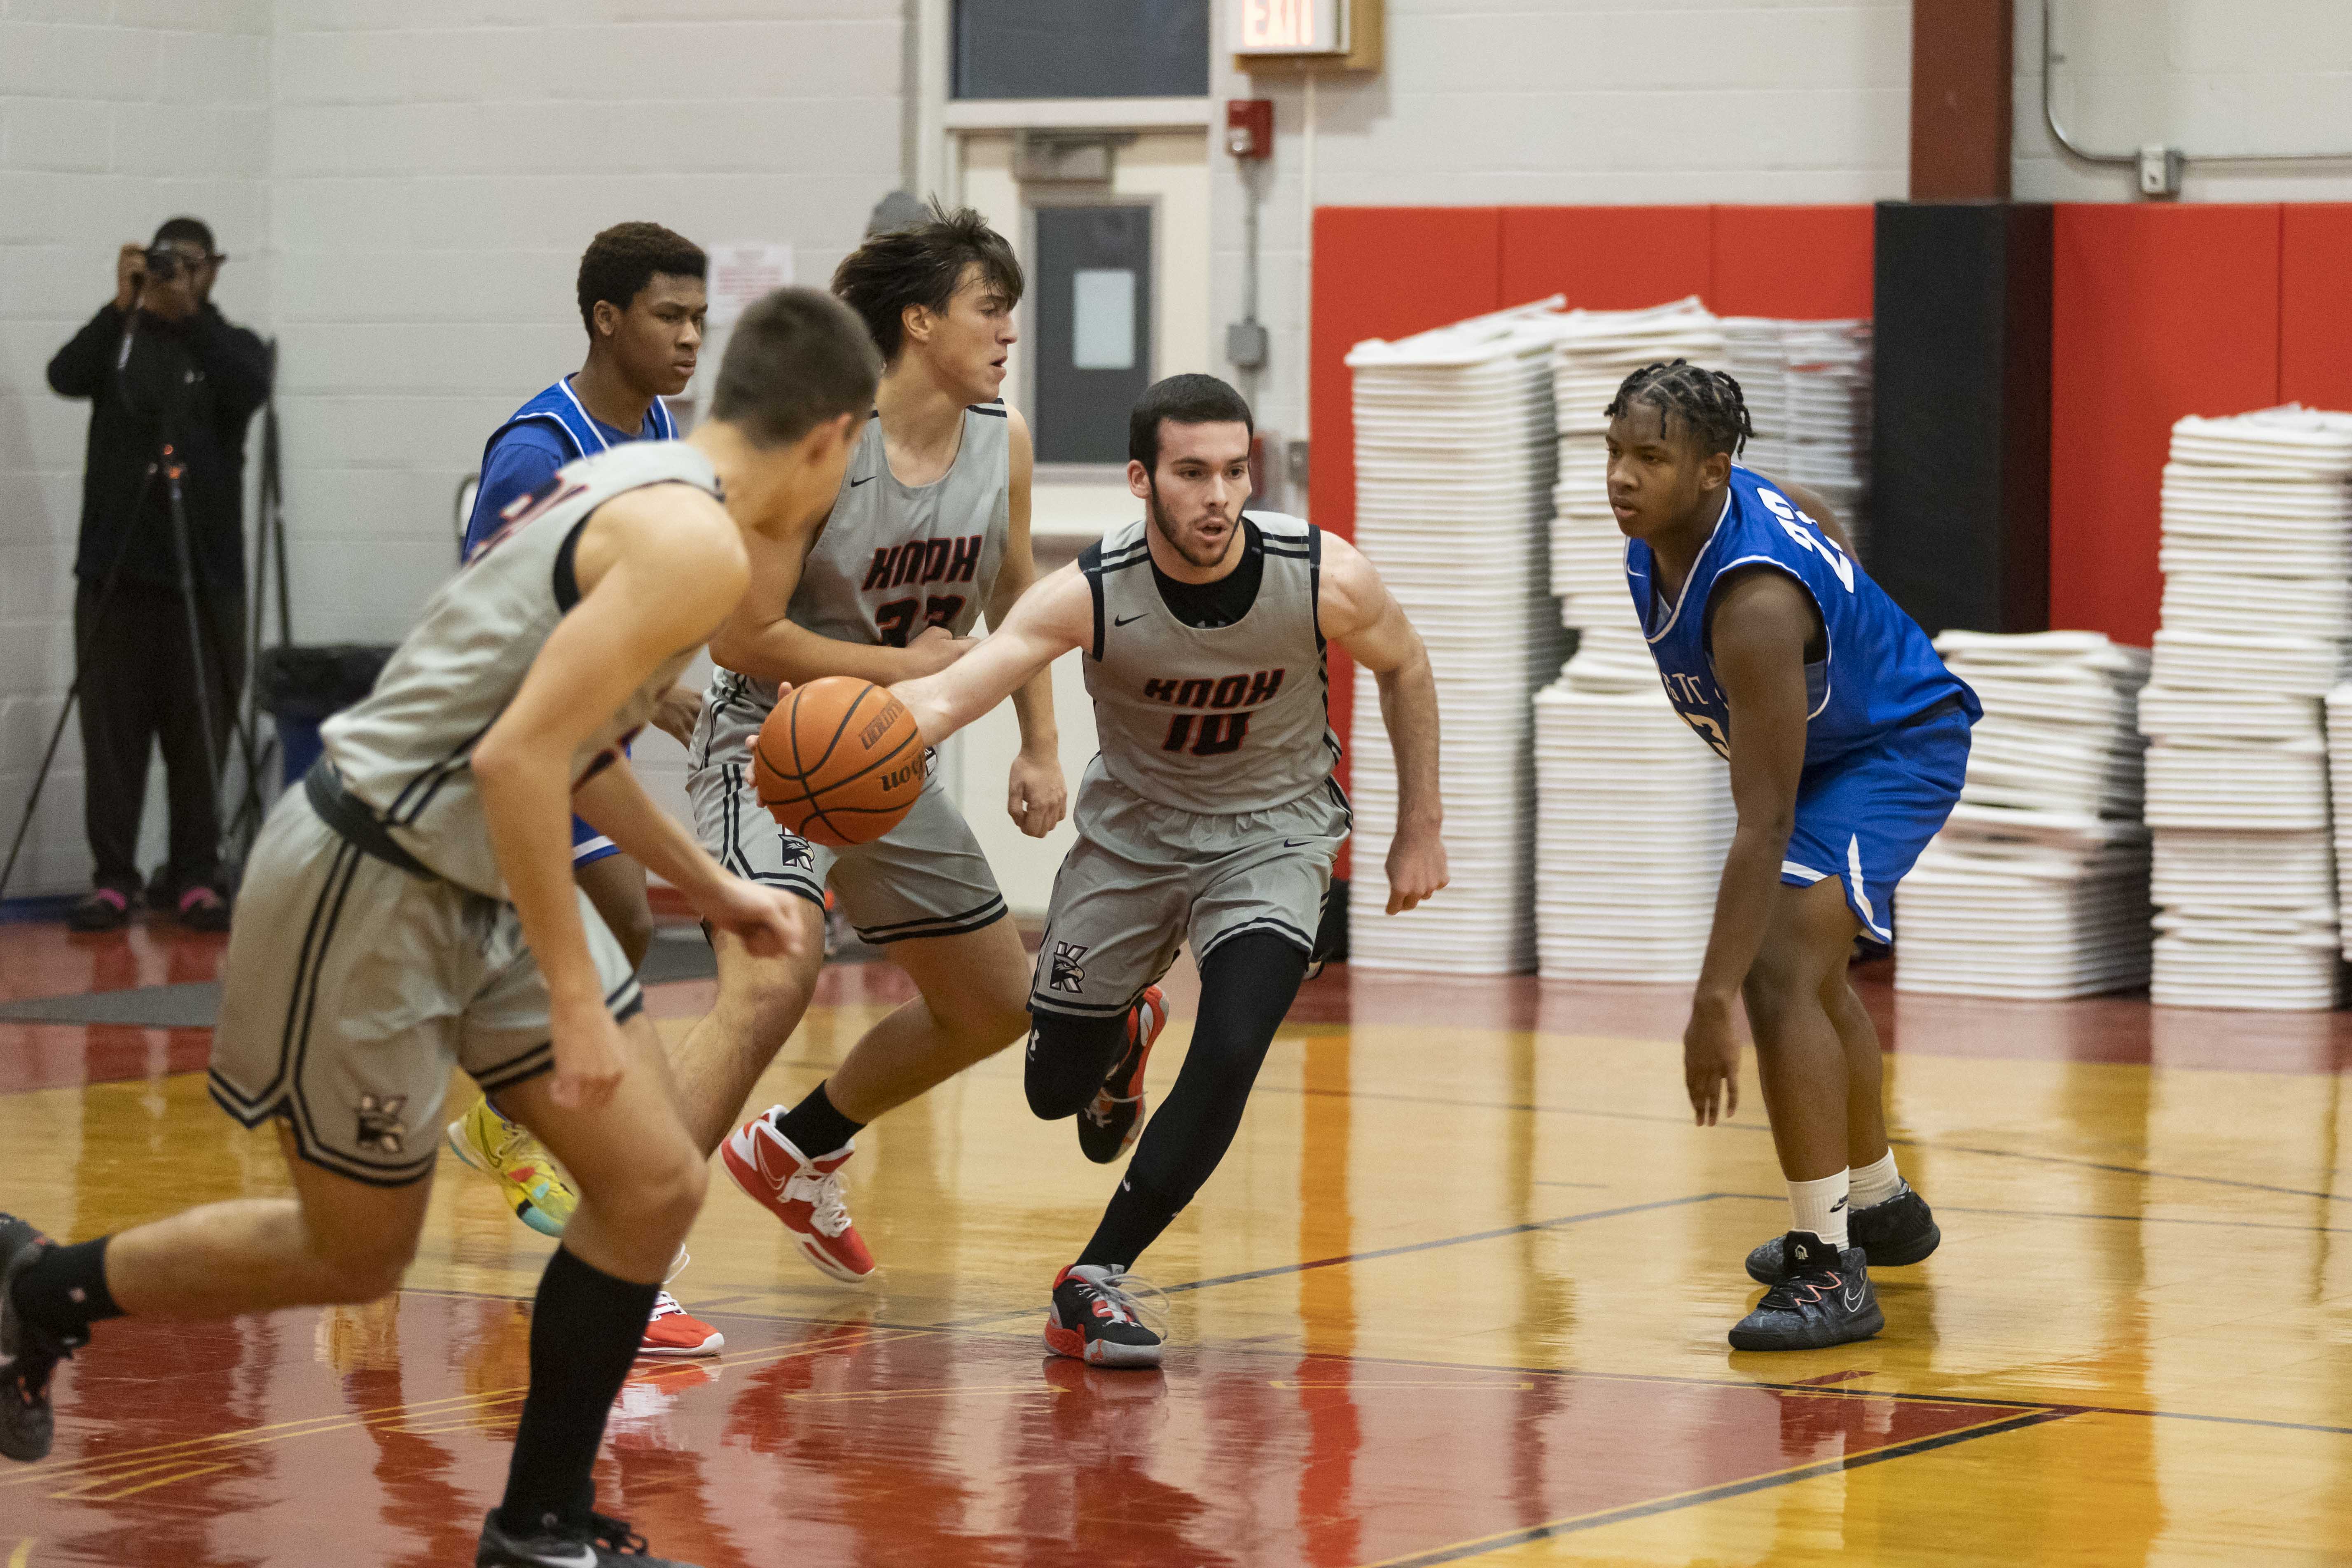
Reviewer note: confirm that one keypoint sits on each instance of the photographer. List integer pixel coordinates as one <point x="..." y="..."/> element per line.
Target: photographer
<point x="158" y="362"/>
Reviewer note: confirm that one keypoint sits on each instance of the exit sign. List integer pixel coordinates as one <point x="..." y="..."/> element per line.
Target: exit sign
<point x="1279" y="27"/>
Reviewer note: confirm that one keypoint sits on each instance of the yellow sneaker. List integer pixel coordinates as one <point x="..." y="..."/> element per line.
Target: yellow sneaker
<point x="533" y="1182"/>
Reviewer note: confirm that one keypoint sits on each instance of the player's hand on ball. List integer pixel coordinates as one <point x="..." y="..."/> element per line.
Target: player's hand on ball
<point x="1416" y="867"/>
<point x="1711" y="1061"/>
<point x="936" y="649"/>
<point x="768" y="920"/>
<point x="589" y="1056"/>
<point x="677" y="711"/>
<point x="1038" y="798"/>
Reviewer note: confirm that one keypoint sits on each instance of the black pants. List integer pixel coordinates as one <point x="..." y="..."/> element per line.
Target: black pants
<point x="138" y="688"/>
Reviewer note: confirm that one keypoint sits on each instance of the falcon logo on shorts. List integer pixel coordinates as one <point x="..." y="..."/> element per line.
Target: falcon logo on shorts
<point x="382" y="1131"/>
<point x="1066" y="974"/>
<point x="796" y="855"/>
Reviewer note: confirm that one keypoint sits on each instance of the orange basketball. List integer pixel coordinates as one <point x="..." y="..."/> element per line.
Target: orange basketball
<point x="839" y="762"/>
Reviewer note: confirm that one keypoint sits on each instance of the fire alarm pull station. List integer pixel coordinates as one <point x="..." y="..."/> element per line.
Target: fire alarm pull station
<point x="1249" y="127"/>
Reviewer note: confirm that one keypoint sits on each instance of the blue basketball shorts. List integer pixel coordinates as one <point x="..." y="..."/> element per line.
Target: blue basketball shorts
<point x="588" y="846"/>
<point x="1862" y="818"/>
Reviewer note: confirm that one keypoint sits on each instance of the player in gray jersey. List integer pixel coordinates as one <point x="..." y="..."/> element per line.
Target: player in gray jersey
<point x="930" y="528"/>
<point x="411" y="907"/>
<point x="1210" y="815"/>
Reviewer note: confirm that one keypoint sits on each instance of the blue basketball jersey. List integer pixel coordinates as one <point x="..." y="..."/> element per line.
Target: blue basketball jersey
<point x="559" y="421"/>
<point x="1880" y="672"/>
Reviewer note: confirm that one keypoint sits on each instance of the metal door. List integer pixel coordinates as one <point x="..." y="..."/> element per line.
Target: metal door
<point x="1093" y="329"/>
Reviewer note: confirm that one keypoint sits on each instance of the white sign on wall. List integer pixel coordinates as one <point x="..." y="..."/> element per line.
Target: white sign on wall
<point x="742" y="272"/>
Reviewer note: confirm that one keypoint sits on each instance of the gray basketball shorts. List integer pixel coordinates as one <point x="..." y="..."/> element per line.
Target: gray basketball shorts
<point x="1144" y="877"/>
<point x="352" y="988"/>
<point x="926" y="877"/>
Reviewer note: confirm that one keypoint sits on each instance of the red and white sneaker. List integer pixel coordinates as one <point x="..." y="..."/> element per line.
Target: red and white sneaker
<point x="1097" y="1317"/>
<point x="804" y="1193"/>
<point x="1113" y="1120"/>
<point x="673" y="1332"/>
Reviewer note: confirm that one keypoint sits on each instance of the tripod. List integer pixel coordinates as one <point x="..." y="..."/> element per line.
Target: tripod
<point x="204" y="636"/>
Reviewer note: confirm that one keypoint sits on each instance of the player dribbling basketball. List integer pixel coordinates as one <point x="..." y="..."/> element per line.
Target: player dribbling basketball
<point x="1210" y="814"/>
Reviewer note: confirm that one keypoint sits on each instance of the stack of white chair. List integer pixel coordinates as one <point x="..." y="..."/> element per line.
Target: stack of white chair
<point x="2038" y="887"/>
<point x="2257" y="550"/>
<point x="1597" y="351"/>
<point x="1455" y="463"/>
<point x="1828" y="431"/>
<point x="1634" y="818"/>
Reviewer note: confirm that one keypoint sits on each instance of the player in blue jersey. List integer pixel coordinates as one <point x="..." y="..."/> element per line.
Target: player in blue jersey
<point x="641" y="294"/>
<point x="1848" y="741"/>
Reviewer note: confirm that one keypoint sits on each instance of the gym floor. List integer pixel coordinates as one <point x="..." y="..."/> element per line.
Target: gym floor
<point x="1458" y="1295"/>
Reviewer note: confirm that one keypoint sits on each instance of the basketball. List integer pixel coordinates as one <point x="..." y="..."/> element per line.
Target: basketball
<point x="839" y="762"/>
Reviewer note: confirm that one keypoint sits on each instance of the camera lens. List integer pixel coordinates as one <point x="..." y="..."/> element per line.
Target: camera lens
<point x="163" y="264"/>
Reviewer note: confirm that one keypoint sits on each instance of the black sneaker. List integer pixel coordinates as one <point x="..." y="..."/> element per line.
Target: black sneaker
<point x="1113" y="1120"/>
<point x="600" y="1542"/>
<point x="1825" y="1300"/>
<point x="27" y="1355"/>
<point x="1892" y="1234"/>
<point x="100" y="909"/>
<point x="1096" y="1319"/>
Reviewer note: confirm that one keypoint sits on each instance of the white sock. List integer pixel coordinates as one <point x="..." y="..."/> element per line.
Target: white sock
<point x="1876" y="1181"/>
<point x="1821" y="1208"/>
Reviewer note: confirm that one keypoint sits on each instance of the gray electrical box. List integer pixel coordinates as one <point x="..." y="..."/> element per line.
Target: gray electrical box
<point x="1245" y="345"/>
<point x="2160" y="171"/>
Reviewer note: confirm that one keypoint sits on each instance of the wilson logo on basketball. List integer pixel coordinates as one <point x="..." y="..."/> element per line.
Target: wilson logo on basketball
<point x="881" y="725"/>
<point x="839" y="762"/>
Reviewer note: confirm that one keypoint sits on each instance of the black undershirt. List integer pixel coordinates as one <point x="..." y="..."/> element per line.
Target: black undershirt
<point x="1206" y="606"/>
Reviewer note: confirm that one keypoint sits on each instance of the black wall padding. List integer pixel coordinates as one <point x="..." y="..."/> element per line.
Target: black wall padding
<point x="1960" y="470"/>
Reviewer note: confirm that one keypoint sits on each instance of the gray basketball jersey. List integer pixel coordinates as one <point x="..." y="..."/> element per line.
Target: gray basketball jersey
<point x="406" y="749"/>
<point x="1217" y="720"/>
<point x="891" y="560"/>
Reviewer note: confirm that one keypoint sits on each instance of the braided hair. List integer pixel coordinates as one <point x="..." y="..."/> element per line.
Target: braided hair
<point x="1707" y="402"/>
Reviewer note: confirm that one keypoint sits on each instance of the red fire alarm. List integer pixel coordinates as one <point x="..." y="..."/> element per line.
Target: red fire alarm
<point x="1249" y="127"/>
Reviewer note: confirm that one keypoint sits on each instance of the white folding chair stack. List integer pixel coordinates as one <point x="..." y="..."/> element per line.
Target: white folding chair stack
<point x="1455" y="451"/>
<point x="1828" y="429"/>
<point x="1634" y="818"/>
<point x="2038" y="885"/>
<point x="2257" y="552"/>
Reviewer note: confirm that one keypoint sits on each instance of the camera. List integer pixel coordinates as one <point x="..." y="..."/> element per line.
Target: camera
<point x="163" y="263"/>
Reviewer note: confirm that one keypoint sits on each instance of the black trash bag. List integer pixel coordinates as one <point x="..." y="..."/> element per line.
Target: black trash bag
<point x="304" y="685"/>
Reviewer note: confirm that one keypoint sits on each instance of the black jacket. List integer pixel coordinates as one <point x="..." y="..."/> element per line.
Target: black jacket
<point x="213" y="376"/>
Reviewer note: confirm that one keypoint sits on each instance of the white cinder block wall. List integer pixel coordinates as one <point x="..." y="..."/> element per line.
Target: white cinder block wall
<point x="1556" y="101"/>
<point x="2206" y="76"/>
<point x="408" y="188"/>
<point x="113" y="117"/>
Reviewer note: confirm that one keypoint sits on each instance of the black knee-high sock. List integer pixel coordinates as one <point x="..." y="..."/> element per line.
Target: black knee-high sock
<point x="64" y="1290"/>
<point x="585" y="1327"/>
<point x="1246" y="987"/>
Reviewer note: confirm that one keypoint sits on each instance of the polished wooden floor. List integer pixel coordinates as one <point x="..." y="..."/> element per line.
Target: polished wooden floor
<point x="1458" y="1295"/>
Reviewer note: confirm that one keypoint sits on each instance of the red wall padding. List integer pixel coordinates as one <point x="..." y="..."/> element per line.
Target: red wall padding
<point x="2315" y="306"/>
<point x="1808" y="262"/>
<point x="2157" y="312"/>
<point x="1608" y="258"/>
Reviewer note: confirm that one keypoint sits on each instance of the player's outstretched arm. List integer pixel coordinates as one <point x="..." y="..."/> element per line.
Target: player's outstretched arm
<point x="1357" y="612"/>
<point x="1035" y="794"/>
<point x="1051" y="620"/>
<point x="761" y="640"/>
<point x="1762" y="620"/>
<point x="658" y="568"/>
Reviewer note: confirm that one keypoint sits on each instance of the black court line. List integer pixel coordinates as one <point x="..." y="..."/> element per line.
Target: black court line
<point x="2149" y="1219"/>
<point x="1811" y="1390"/>
<point x="1347" y="1257"/>
<point x="1651" y="1117"/>
<point x="1479" y="1548"/>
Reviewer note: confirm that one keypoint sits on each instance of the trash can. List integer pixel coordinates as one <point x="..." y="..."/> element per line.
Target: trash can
<point x="299" y="686"/>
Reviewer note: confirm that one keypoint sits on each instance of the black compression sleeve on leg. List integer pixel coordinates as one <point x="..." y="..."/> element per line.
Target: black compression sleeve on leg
<point x="1246" y="988"/>
<point x="1069" y="1056"/>
<point x="585" y="1328"/>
